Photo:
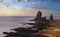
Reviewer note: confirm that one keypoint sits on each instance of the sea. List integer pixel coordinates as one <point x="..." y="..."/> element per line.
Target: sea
<point x="10" y="22"/>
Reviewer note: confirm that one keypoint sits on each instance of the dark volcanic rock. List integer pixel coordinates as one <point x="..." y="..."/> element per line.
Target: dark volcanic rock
<point x="30" y="30"/>
<point x="5" y="32"/>
<point x="30" y="23"/>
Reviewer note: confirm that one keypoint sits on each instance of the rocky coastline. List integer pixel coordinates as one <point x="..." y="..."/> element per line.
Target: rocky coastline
<point x="41" y="24"/>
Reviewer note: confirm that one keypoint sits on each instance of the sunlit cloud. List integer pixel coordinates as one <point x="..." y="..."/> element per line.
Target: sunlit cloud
<point x="9" y="11"/>
<point x="27" y="0"/>
<point x="38" y="1"/>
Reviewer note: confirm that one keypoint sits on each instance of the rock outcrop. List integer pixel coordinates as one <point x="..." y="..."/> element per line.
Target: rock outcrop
<point x="51" y="17"/>
<point x="40" y="24"/>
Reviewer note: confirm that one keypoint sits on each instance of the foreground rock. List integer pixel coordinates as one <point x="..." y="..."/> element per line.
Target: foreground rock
<point x="30" y="23"/>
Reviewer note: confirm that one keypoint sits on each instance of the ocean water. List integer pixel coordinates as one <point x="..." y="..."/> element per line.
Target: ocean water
<point x="7" y="23"/>
<point x="10" y="22"/>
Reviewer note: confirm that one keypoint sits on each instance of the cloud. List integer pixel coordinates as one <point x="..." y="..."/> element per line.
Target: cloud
<point x="27" y="0"/>
<point x="7" y="9"/>
<point x="19" y="0"/>
<point x="10" y="11"/>
<point x="1" y="0"/>
<point x="35" y="2"/>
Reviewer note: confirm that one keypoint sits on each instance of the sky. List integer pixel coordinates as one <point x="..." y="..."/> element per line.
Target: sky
<point x="29" y="7"/>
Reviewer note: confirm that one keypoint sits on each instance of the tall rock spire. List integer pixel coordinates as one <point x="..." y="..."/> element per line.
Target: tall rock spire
<point x="39" y="14"/>
<point x="38" y="17"/>
<point x="51" y="17"/>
